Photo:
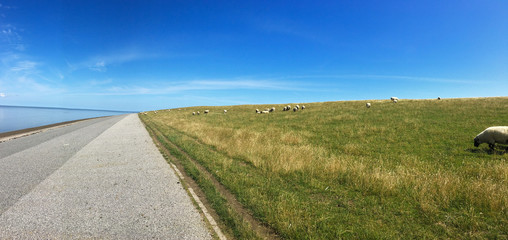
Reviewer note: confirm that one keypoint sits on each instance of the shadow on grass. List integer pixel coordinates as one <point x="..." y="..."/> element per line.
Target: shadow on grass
<point x="497" y="150"/>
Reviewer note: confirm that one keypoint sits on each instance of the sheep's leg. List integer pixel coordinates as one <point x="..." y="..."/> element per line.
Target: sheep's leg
<point x="491" y="145"/>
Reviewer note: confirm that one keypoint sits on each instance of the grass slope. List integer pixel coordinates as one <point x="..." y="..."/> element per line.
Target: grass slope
<point x="340" y="170"/>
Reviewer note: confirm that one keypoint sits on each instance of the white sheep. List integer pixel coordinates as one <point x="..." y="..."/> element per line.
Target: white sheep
<point x="265" y="112"/>
<point x="295" y="109"/>
<point x="225" y="111"/>
<point x="193" y="113"/>
<point x="303" y="107"/>
<point x="394" y="99"/>
<point x="206" y="111"/>
<point x="257" y="111"/>
<point x="492" y="135"/>
<point x="198" y="112"/>
<point x="271" y="109"/>
<point x="368" y="105"/>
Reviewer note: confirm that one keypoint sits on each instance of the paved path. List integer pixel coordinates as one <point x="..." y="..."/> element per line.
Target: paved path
<point x="100" y="178"/>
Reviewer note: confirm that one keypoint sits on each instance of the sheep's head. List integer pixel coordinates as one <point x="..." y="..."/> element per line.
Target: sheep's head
<point x="476" y="142"/>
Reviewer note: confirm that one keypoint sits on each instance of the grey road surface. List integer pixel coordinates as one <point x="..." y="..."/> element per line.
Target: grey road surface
<point x="100" y="178"/>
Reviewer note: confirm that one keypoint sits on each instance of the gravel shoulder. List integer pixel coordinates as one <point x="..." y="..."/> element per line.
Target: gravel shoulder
<point x="117" y="186"/>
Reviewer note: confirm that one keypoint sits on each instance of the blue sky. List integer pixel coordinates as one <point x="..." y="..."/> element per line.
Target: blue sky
<point x="144" y="55"/>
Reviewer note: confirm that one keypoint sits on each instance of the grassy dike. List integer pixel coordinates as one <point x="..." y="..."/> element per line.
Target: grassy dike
<point x="340" y="170"/>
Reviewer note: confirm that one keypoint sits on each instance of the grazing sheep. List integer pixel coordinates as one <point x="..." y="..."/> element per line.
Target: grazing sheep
<point x="492" y="135"/>
<point x="198" y="112"/>
<point x="297" y="106"/>
<point x="206" y="111"/>
<point x="265" y="112"/>
<point x="271" y="109"/>
<point x="225" y="111"/>
<point x="295" y="109"/>
<point x="257" y="111"/>
<point x="394" y="99"/>
<point x="193" y="113"/>
<point x="367" y="105"/>
<point x="303" y="107"/>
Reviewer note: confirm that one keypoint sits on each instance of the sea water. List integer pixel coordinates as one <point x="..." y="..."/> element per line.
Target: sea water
<point x="16" y="118"/>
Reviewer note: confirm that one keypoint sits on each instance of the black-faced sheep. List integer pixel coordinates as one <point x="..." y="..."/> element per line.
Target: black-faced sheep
<point x="394" y="99"/>
<point x="303" y="107"/>
<point x="206" y="111"/>
<point x="492" y="135"/>
<point x="368" y="105"/>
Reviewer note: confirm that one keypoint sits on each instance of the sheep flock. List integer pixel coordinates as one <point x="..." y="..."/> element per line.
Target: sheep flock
<point x="491" y="135"/>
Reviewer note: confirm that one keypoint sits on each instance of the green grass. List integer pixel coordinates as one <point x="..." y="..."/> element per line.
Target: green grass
<point x="340" y="170"/>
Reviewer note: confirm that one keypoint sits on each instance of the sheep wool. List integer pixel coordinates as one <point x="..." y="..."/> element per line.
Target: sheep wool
<point x="367" y="105"/>
<point x="492" y="135"/>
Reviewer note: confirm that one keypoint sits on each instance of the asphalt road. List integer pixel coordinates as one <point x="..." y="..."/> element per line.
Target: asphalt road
<point x="99" y="178"/>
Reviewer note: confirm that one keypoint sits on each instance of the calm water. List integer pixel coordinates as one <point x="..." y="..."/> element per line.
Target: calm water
<point x="16" y="118"/>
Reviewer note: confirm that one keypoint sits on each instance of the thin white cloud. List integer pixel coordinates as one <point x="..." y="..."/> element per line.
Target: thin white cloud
<point x="385" y="77"/>
<point x="100" y="82"/>
<point x="28" y="84"/>
<point x="161" y="88"/>
<point x="420" y="79"/>
<point x="286" y="27"/>
<point x="99" y="66"/>
<point x="9" y="34"/>
<point x="101" y="63"/>
<point x="24" y="66"/>
<point x="2" y="95"/>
